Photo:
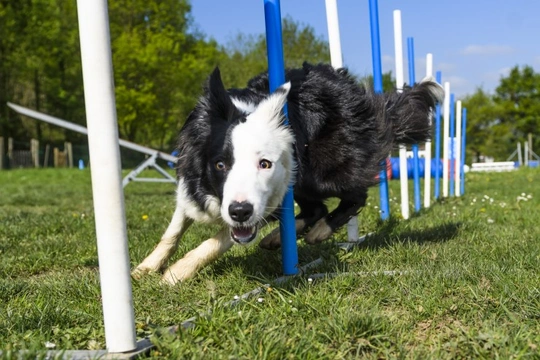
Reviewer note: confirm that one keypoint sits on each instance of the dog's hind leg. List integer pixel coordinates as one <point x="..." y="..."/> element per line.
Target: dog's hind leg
<point x="310" y="212"/>
<point x="325" y="227"/>
<point x="197" y="258"/>
<point x="167" y="246"/>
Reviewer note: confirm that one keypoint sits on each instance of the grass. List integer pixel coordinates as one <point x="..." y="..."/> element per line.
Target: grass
<point x="471" y="287"/>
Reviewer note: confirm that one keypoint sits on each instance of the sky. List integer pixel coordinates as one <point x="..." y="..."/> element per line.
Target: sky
<point x="473" y="42"/>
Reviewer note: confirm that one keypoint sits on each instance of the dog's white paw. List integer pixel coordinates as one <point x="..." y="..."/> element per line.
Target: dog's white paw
<point x="169" y="279"/>
<point x="319" y="232"/>
<point x="141" y="270"/>
<point x="178" y="272"/>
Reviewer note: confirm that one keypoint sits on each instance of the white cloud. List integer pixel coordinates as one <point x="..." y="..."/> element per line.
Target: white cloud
<point x="487" y="50"/>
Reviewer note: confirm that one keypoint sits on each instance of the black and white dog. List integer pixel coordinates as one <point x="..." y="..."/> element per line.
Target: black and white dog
<point x="237" y="157"/>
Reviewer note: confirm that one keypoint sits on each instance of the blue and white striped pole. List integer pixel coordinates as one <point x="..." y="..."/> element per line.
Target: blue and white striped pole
<point x="377" y="86"/>
<point x="437" y="189"/>
<point x="451" y="174"/>
<point x="463" y="142"/>
<point x="276" y="74"/>
<point x="416" y="160"/>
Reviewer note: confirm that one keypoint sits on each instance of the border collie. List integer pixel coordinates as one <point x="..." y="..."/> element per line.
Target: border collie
<point x="237" y="158"/>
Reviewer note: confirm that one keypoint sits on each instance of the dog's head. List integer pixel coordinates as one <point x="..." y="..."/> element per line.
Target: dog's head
<point x="250" y="160"/>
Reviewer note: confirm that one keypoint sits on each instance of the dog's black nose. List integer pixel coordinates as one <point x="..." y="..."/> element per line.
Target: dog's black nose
<point x="240" y="211"/>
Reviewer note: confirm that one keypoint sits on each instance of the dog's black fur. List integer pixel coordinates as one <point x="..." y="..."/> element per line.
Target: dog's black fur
<point x="340" y="132"/>
<point x="343" y="133"/>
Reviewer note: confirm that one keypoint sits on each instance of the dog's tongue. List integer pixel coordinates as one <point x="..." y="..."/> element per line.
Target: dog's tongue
<point x="242" y="232"/>
<point x="244" y="235"/>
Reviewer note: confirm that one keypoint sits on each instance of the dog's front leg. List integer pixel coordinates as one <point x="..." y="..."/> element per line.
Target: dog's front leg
<point x="167" y="246"/>
<point x="197" y="258"/>
<point x="310" y="213"/>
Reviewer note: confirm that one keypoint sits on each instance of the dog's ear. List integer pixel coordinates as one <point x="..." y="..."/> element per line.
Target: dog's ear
<point x="270" y="108"/>
<point x="219" y="100"/>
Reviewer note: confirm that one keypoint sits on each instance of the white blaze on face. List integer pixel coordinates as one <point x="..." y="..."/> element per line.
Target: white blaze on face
<point x="259" y="141"/>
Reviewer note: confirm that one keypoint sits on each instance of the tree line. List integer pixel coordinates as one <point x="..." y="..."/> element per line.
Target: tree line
<point x="161" y="61"/>
<point x="498" y="121"/>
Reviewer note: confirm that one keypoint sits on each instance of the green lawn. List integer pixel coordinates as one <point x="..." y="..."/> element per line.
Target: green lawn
<point x="470" y="287"/>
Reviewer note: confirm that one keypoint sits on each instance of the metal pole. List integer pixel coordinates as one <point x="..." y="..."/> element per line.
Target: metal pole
<point x="416" y="160"/>
<point x="276" y="74"/>
<point x="106" y="177"/>
<point x="378" y="88"/>
<point x="403" y="173"/>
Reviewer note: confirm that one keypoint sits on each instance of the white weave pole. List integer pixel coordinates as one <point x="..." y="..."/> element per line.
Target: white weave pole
<point x="403" y="176"/>
<point x="446" y="140"/>
<point x="106" y="176"/>
<point x="526" y="152"/>
<point x="520" y="159"/>
<point x="427" y="149"/>
<point x="336" y="57"/>
<point x="457" y="143"/>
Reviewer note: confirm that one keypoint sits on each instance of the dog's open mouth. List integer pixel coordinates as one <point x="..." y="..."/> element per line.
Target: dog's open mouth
<point x="244" y="234"/>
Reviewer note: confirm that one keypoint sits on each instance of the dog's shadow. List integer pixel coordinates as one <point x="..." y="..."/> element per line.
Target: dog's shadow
<point x="267" y="265"/>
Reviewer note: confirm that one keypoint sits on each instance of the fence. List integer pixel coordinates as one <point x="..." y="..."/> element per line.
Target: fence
<point x="33" y="154"/>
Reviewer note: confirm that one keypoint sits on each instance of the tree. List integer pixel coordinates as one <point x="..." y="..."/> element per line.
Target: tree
<point x="40" y="52"/>
<point x="159" y="67"/>
<point x="389" y="83"/>
<point x="495" y="123"/>
<point x="481" y="120"/>
<point x="246" y="55"/>
<point x="518" y="100"/>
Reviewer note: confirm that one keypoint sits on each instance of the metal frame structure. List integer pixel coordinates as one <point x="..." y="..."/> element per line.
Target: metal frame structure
<point x="150" y="163"/>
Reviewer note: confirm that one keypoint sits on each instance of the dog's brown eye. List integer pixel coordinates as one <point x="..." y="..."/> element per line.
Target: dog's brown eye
<point x="265" y="164"/>
<point x="220" y="165"/>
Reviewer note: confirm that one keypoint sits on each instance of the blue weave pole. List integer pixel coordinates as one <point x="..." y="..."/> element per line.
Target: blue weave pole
<point x="378" y="88"/>
<point x="438" y="143"/>
<point x="276" y="75"/>
<point x="416" y="160"/>
<point x="451" y="156"/>
<point x="463" y="138"/>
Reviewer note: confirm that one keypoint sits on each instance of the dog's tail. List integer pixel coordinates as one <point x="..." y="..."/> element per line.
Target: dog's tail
<point x="410" y="112"/>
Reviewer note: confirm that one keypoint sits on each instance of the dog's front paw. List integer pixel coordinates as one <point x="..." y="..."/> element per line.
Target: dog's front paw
<point x="169" y="279"/>
<point x="141" y="271"/>
<point x="178" y="272"/>
<point x="319" y="232"/>
<point x="271" y="241"/>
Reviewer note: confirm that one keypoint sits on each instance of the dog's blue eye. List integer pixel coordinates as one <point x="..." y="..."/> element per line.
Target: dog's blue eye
<point x="220" y="165"/>
<point x="265" y="164"/>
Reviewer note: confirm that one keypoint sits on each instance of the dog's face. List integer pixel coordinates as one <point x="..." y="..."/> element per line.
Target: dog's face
<point x="251" y="161"/>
